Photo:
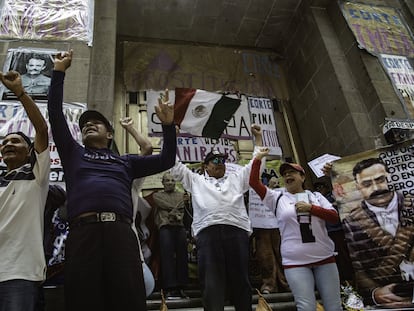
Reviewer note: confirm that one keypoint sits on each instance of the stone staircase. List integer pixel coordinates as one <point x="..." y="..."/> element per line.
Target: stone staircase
<point x="278" y="301"/>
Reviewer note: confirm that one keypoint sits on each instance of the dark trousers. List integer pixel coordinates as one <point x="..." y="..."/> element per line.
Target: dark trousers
<point x="269" y="259"/>
<point x="103" y="270"/>
<point x="18" y="295"/>
<point x="223" y="254"/>
<point x="174" y="256"/>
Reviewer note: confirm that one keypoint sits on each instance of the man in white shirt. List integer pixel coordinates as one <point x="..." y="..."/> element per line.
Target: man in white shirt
<point x="221" y="228"/>
<point x="23" y="193"/>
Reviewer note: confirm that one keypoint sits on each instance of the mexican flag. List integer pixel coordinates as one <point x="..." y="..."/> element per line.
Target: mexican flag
<point x="203" y="113"/>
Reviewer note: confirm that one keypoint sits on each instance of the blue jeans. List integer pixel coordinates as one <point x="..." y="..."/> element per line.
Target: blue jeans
<point x="302" y="282"/>
<point x="18" y="295"/>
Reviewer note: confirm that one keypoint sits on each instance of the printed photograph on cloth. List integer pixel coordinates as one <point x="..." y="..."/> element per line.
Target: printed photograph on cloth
<point x="35" y="67"/>
<point x="375" y="195"/>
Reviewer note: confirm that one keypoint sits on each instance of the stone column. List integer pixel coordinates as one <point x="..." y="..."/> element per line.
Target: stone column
<point x="102" y="67"/>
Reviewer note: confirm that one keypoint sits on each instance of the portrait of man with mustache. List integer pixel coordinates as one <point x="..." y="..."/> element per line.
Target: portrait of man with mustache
<point x="380" y="235"/>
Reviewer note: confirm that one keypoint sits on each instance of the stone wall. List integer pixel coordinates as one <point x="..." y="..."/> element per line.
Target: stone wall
<point x="340" y="94"/>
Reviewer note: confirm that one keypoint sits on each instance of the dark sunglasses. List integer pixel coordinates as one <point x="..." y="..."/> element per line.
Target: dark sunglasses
<point x="218" y="160"/>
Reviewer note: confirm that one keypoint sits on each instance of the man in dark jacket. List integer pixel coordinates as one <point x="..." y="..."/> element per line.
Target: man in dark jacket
<point x="380" y="238"/>
<point x="103" y="270"/>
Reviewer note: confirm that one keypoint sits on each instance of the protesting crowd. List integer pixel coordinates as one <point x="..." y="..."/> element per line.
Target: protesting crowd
<point x="107" y="245"/>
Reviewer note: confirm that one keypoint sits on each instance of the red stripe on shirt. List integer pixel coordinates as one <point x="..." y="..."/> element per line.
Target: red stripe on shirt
<point x="254" y="180"/>
<point x="329" y="215"/>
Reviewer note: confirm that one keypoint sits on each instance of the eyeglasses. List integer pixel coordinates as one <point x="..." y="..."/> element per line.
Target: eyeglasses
<point x="218" y="160"/>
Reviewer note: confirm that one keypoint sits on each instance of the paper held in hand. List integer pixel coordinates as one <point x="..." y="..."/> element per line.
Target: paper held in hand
<point x="317" y="164"/>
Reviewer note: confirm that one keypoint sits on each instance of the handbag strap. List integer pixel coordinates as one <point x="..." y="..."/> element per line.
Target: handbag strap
<point x="277" y="202"/>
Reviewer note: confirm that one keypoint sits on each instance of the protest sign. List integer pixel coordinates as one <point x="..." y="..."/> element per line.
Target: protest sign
<point x="194" y="149"/>
<point x="35" y="66"/>
<point x="379" y="29"/>
<point x="261" y="113"/>
<point x="397" y="130"/>
<point x="261" y="216"/>
<point x="374" y="192"/>
<point x="401" y="73"/>
<point x="13" y="118"/>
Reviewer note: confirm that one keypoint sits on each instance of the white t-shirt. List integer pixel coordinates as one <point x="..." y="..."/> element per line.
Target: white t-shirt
<point x="216" y="201"/>
<point x="293" y="250"/>
<point x="22" y="204"/>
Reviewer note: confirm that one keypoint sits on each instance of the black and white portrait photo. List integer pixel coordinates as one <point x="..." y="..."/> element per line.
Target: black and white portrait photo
<point x="35" y="67"/>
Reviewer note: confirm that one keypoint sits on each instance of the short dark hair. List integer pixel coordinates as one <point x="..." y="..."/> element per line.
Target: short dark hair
<point x="362" y="165"/>
<point x="23" y="135"/>
<point x="36" y="56"/>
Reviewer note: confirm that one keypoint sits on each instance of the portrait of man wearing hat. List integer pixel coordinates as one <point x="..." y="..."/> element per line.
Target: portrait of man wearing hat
<point x="221" y="227"/>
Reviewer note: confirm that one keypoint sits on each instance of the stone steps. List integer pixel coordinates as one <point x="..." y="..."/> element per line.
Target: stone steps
<point x="277" y="301"/>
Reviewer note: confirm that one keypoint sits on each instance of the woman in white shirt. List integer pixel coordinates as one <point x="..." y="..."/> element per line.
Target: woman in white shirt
<point x="307" y="251"/>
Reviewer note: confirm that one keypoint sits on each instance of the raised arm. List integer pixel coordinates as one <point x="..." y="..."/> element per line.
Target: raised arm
<point x="254" y="180"/>
<point x="165" y="110"/>
<point x="143" y="142"/>
<point x="63" y="61"/>
<point x="153" y="164"/>
<point x="60" y="129"/>
<point x="257" y="134"/>
<point x="12" y="80"/>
